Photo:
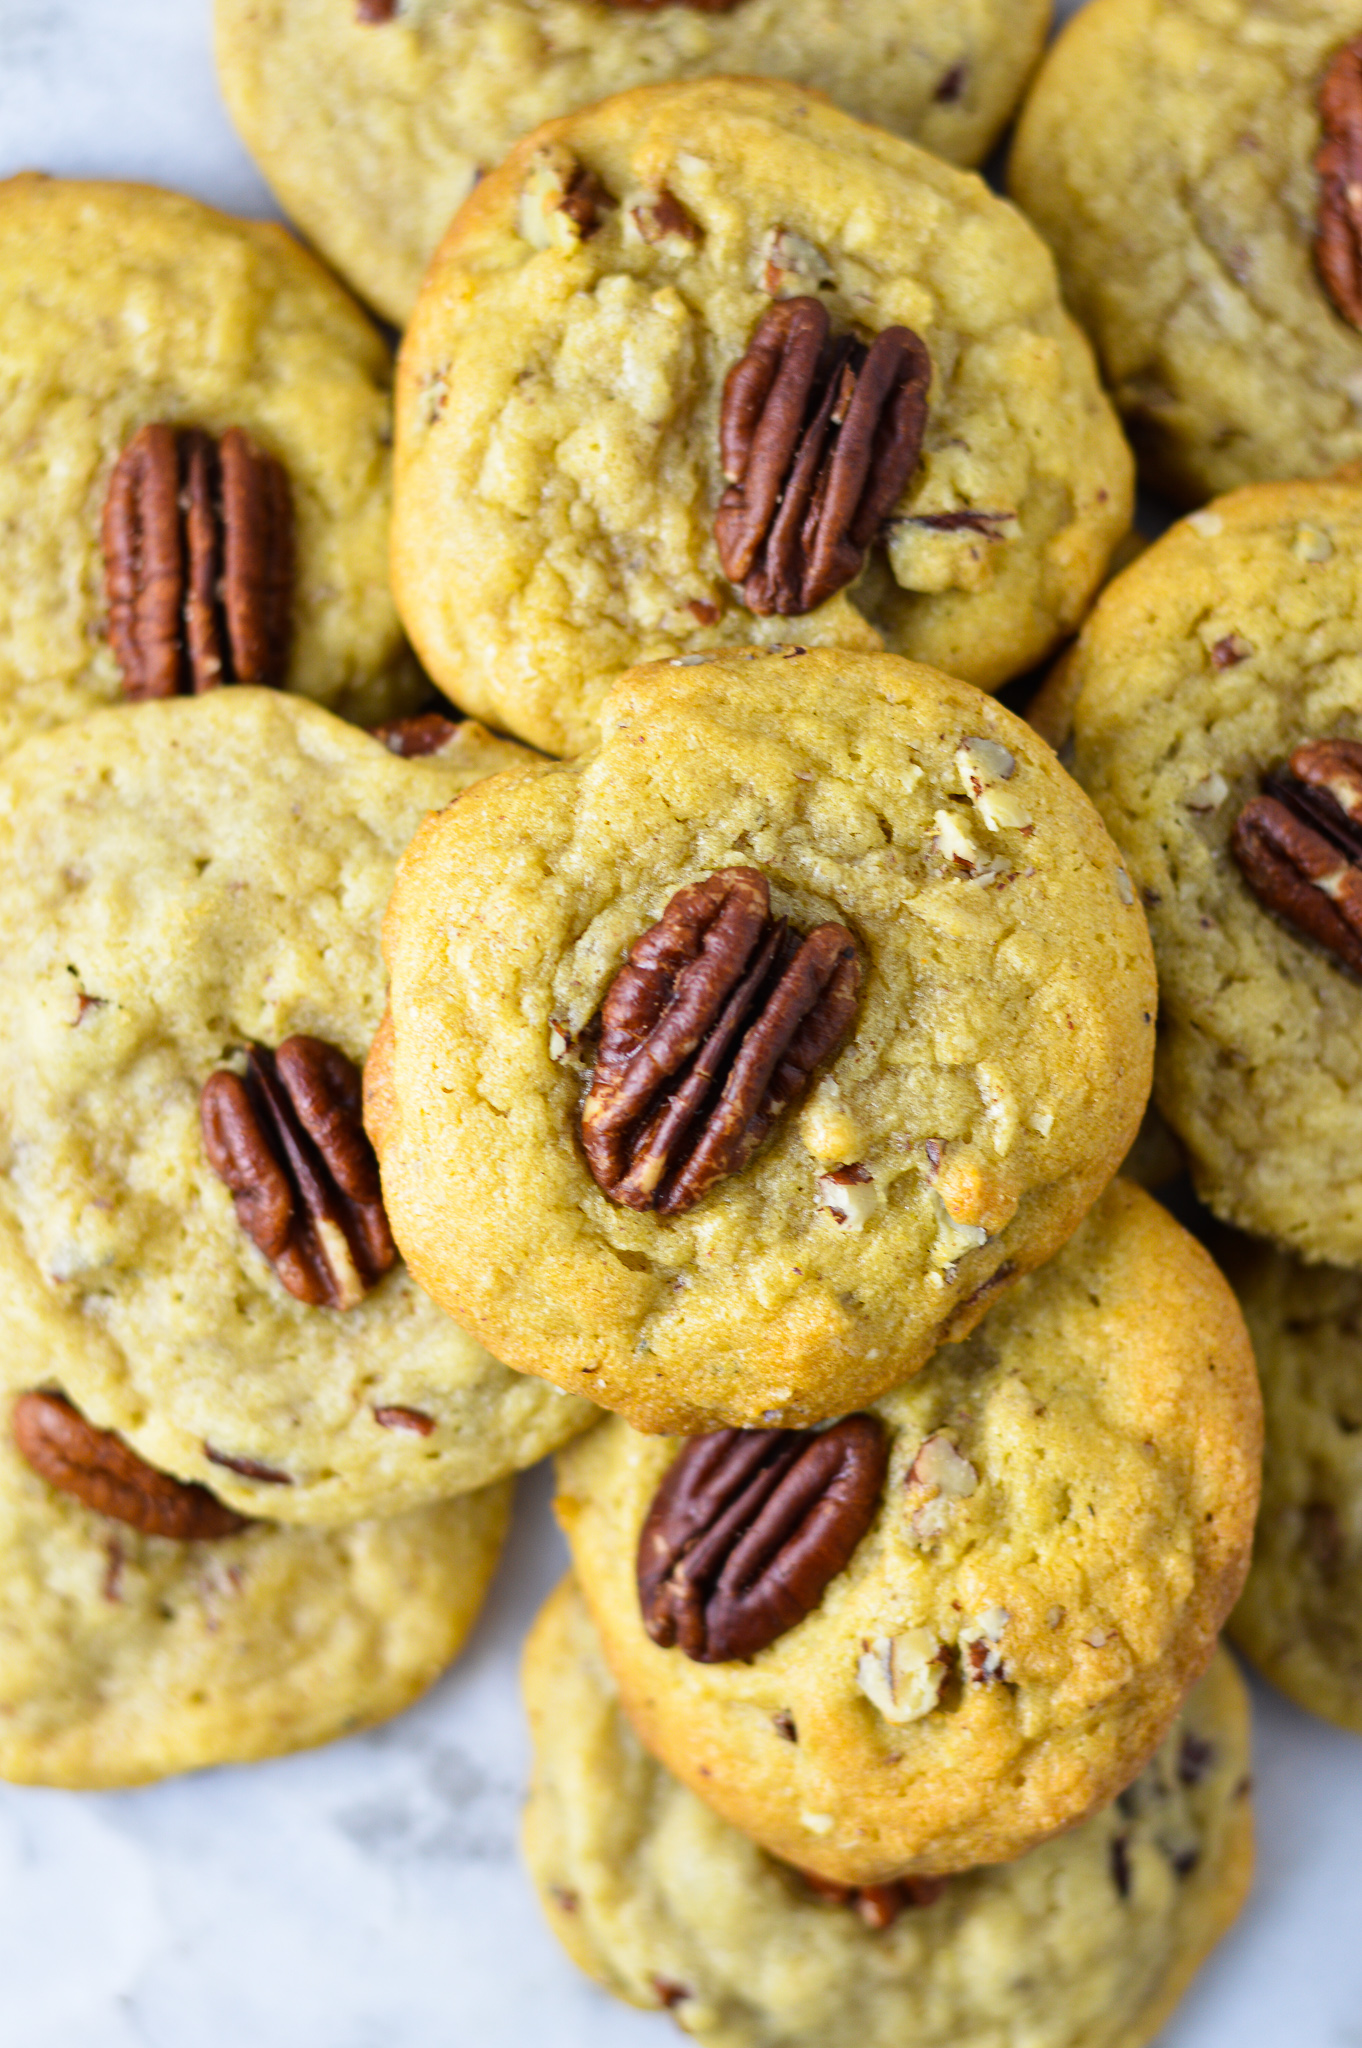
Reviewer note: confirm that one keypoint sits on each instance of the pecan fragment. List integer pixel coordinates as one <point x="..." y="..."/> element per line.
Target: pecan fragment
<point x="99" y="1469"/>
<point x="198" y="562"/>
<point x="429" y="733"/>
<point x="375" y="10"/>
<point x="817" y="437"/>
<point x="249" y="1468"/>
<point x="1338" y="167"/>
<point x="696" y="6"/>
<point x="657" y="218"/>
<point x="709" y="1032"/>
<point x="287" y="1139"/>
<point x="879" y="1905"/>
<point x="1299" y="845"/>
<point x="414" y="1420"/>
<point x="749" y="1527"/>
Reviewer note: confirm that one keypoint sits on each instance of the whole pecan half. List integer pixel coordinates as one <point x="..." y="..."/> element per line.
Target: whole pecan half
<point x="748" y="1528"/>
<point x="430" y="732"/>
<point x="710" y="1031"/>
<point x="1299" y="845"/>
<point x="288" y="1139"/>
<point x="817" y="437"/>
<point x="1338" y="166"/>
<point x="198" y="562"/>
<point x="879" y="1905"/>
<point x="99" y="1469"/>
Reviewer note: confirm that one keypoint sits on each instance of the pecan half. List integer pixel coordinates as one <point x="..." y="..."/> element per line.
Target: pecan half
<point x="879" y="1905"/>
<point x="748" y="1528"/>
<point x="99" y="1469"/>
<point x="198" y="562"/>
<point x="709" y="1032"/>
<point x="1299" y="845"/>
<point x="288" y="1140"/>
<point x="429" y="733"/>
<point x="817" y="437"/>
<point x="1338" y="166"/>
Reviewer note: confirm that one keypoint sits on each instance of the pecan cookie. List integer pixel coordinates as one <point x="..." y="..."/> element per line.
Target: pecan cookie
<point x="373" y="120"/>
<point x="1300" y="1618"/>
<point x="1194" y="165"/>
<point x="714" y="364"/>
<point x="142" y="1635"/>
<point x="991" y="1645"/>
<point x="734" y="1067"/>
<point x="1087" y="1942"/>
<point x="1216" y="727"/>
<point x="194" y="462"/>
<point x="192" y="1239"/>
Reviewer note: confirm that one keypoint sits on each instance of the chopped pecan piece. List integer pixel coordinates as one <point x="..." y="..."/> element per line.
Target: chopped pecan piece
<point x="748" y="1528"/>
<point x="697" y="6"/>
<point x="288" y="1140"/>
<point x="709" y="1032"/>
<point x="879" y="1905"/>
<point x="375" y="10"/>
<point x="198" y="561"/>
<point x="817" y="437"/>
<point x="1299" y="845"/>
<point x="430" y="733"/>
<point x="658" y="218"/>
<point x="1338" y="166"/>
<point x="99" y="1469"/>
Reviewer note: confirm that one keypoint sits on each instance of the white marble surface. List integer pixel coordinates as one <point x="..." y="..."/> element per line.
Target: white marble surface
<point x="368" y="1896"/>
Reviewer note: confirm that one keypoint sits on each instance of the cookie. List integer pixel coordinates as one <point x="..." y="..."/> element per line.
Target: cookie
<point x="1088" y="1942"/>
<point x="646" y="326"/>
<point x="858" y="1149"/>
<point x="1300" y="1618"/>
<point x="127" y="1656"/>
<point x="1202" y="673"/>
<point x="993" y="1643"/>
<point x="181" y="882"/>
<point x="1177" y="157"/>
<point x="128" y="310"/>
<point x="373" y="122"/>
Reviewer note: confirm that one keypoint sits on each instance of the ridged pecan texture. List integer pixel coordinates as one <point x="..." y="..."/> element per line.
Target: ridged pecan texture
<point x="709" y="1032"/>
<point x="817" y="437"/>
<point x="288" y="1139"/>
<point x="99" y="1469"/>
<point x="748" y="1529"/>
<point x="198" y="562"/>
<point x="1338" y="167"/>
<point x="1299" y="845"/>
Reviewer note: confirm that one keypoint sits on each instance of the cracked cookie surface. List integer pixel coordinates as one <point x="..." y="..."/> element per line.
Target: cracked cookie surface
<point x="1087" y="1942"/>
<point x="558" y="465"/>
<point x="992" y="1076"/>
<point x="1064" y="1525"/>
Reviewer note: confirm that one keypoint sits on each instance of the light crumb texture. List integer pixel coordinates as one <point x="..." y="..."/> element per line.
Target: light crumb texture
<point x="991" y="1079"/>
<point x="177" y="881"/>
<point x="1064" y="1526"/>
<point x="373" y="135"/>
<point x="1088" y="1942"/>
<point x="1301" y="1615"/>
<point x="1167" y="154"/>
<point x="126" y="305"/>
<point x="125" y="1657"/>
<point x="558" y="464"/>
<point x="1229" y="643"/>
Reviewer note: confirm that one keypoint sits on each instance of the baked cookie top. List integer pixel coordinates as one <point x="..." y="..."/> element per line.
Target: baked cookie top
<point x="561" y="391"/>
<point x="1062" y="1526"/>
<point x="985" y="1078"/>
<point x="1088" y="1942"/>
<point x="178" y="882"/>
<point x="1300" y="1618"/>
<point x="373" y="122"/>
<point x="1168" y="153"/>
<point x="126" y="1657"/>
<point x="127" y="307"/>
<point x="1203" y="670"/>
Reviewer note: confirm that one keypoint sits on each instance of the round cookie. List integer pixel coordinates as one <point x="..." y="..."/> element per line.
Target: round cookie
<point x="990" y="1078"/>
<point x="1088" y="1942"/>
<point x="374" y="122"/>
<point x="127" y="1657"/>
<point x="561" y="388"/>
<point x="179" y="881"/>
<point x="1168" y="155"/>
<point x="1227" y="646"/>
<point x="127" y="306"/>
<point x="1300" y="1618"/>
<point x="1062" y="1528"/>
